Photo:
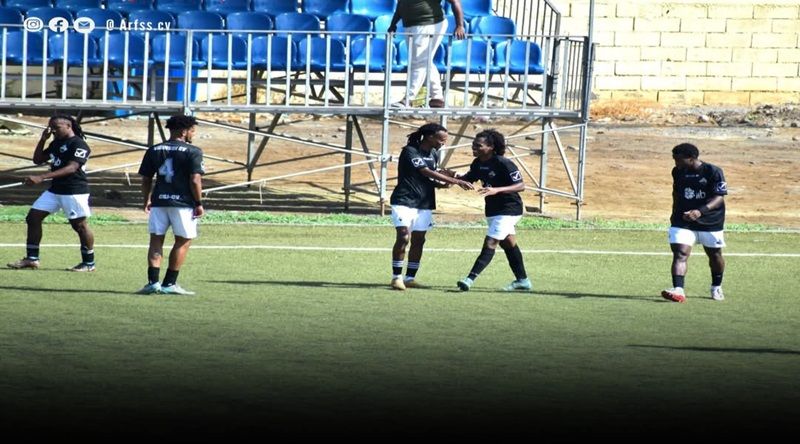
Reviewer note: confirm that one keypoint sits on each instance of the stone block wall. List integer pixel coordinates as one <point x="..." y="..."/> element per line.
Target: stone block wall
<point x="714" y="52"/>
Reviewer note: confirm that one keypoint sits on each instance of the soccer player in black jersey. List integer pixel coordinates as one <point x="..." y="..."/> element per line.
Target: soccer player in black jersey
<point x="174" y="201"/>
<point x="698" y="215"/>
<point x="69" y="191"/>
<point x="502" y="183"/>
<point x="414" y="198"/>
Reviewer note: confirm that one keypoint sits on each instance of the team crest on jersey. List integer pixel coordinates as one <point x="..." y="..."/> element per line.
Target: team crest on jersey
<point x="417" y="162"/>
<point x="491" y="174"/>
<point x="80" y="153"/>
<point x="703" y="181"/>
<point x="515" y="176"/>
<point x="62" y="149"/>
<point x="721" y="187"/>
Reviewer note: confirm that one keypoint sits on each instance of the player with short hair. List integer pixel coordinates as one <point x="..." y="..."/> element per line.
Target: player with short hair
<point x="698" y="215"/>
<point x="502" y="183"/>
<point x="414" y="198"/>
<point x="174" y="201"/>
<point x="69" y="191"/>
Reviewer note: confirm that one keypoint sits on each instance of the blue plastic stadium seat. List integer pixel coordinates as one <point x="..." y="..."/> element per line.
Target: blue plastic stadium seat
<point x="74" y="43"/>
<point x="24" y="5"/>
<point x="515" y="58"/>
<point x="225" y="7"/>
<point x="249" y="21"/>
<point x="10" y="16"/>
<point x="125" y="7"/>
<point x="325" y="8"/>
<point x="219" y="52"/>
<point x="402" y="57"/>
<point x="382" y="25"/>
<point x="178" y="44"/>
<point x="101" y="18"/>
<point x="341" y="25"/>
<point x="201" y="21"/>
<point x="74" y="6"/>
<point x="136" y="57"/>
<point x="178" y="6"/>
<point x="276" y="7"/>
<point x="451" y="26"/>
<point x="474" y="8"/>
<point x="276" y="55"/>
<point x="377" y="54"/>
<point x="318" y="55"/>
<point x="48" y="13"/>
<point x="477" y="60"/>
<point x="149" y="21"/>
<point x="299" y="22"/>
<point x="15" y="47"/>
<point x="373" y="8"/>
<point x="493" y="27"/>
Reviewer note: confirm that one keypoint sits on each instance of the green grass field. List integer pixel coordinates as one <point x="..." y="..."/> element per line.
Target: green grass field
<point x="295" y="331"/>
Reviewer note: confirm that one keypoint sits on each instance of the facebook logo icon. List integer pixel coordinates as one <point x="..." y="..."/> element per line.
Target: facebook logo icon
<point x="58" y="24"/>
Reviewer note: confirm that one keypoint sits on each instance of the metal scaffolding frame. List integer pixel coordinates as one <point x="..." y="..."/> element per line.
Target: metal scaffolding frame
<point x="557" y="99"/>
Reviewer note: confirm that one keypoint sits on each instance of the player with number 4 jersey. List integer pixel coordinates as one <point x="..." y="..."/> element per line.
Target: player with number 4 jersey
<point x="173" y="201"/>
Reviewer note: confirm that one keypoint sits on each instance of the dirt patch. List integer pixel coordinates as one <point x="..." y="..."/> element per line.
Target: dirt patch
<point x="627" y="167"/>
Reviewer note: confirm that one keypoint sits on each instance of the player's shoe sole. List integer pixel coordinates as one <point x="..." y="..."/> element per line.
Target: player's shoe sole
<point x="24" y="263"/>
<point x="83" y="268"/>
<point x="673" y="296"/>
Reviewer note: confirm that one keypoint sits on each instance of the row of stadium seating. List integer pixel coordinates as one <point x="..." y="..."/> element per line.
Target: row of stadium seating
<point x="254" y="21"/>
<point x="322" y="9"/>
<point x="273" y="51"/>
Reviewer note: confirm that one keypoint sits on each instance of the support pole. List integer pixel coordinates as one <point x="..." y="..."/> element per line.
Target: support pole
<point x="347" y="159"/>
<point x="251" y="139"/>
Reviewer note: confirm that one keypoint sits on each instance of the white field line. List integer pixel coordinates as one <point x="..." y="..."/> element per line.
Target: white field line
<point x="386" y="249"/>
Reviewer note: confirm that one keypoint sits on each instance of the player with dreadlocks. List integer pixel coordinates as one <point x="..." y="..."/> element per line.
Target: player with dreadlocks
<point x="414" y="198"/>
<point x="69" y="190"/>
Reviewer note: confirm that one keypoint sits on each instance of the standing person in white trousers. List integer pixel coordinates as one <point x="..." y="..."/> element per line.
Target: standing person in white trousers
<point x="424" y="20"/>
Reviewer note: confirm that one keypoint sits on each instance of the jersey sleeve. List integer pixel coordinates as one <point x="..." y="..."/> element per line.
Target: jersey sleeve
<point x="472" y="175"/>
<point x="717" y="183"/>
<point x="415" y="158"/>
<point x="147" y="168"/>
<point x="80" y="152"/>
<point x="514" y="175"/>
<point x="196" y="158"/>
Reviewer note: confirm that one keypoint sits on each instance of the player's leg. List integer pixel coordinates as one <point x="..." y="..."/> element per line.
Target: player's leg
<point x="680" y="243"/>
<point x="420" y="227"/>
<point x="184" y="225"/>
<point x="713" y="242"/>
<point x="403" y="218"/>
<point x="44" y="205"/>
<point x="76" y="207"/>
<point x="157" y="224"/>
<point x="483" y="260"/>
<point x="515" y="261"/>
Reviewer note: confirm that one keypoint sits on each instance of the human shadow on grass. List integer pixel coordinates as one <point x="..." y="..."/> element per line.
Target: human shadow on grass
<point x="370" y="285"/>
<point x="760" y="350"/>
<point x="575" y="295"/>
<point x="63" y="290"/>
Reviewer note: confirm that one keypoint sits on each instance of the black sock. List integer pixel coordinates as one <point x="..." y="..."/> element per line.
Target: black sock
<point x="170" y="278"/>
<point x="514" y="256"/>
<point x="716" y="279"/>
<point x="152" y="275"/>
<point x="411" y="270"/>
<point x="481" y="262"/>
<point x="32" y="252"/>
<point x="87" y="255"/>
<point x="677" y="281"/>
<point x="397" y="268"/>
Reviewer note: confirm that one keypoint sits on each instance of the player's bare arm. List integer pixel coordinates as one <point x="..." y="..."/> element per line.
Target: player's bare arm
<point x="491" y="191"/>
<point x="71" y="168"/>
<point x="446" y="179"/>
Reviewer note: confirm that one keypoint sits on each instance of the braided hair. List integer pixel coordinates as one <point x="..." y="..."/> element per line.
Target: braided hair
<point x="415" y="138"/>
<point x="495" y="139"/>
<point x="76" y="127"/>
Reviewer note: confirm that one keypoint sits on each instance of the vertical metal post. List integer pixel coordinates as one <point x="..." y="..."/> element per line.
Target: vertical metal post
<point x="251" y="138"/>
<point x="543" y="160"/>
<point x="348" y="158"/>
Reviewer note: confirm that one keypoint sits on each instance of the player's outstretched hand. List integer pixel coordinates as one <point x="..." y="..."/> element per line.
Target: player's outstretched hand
<point x="487" y="191"/>
<point x="465" y="185"/>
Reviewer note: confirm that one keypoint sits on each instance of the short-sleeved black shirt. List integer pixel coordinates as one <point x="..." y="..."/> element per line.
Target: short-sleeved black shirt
<point x="61" y="153"/>
<point x="497" y="172"/>
<point x="420" y="12"/>
<point x="414" y="190"/>
<point x="174" y="162"/>
<point x="693" y="189"/>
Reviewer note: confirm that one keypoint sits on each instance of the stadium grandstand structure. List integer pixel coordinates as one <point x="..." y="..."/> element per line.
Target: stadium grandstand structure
<point x="305" y="57"/>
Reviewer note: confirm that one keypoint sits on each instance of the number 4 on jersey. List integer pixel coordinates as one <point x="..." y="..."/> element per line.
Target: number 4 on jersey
<point x="166" y="171"/>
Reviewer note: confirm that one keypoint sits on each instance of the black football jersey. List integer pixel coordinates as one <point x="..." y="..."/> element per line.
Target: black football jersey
<point x="174" y="162"/>
<point x="61" y="153"/>
<point x="414" y="190"/>
<point x="497" y="172"/>
<point x="693" y="189"/>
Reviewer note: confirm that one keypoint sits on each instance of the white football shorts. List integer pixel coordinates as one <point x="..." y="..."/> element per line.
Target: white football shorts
<point x="74" y="205"/>
<point x="500" y="227"/>
<point x="181" y="219"/>
<point x="683" y="236"/>
<point x="412" y="218"/>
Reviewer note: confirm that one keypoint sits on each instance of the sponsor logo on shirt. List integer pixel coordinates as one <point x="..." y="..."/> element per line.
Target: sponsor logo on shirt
<point x="417" y="162"/>
<point x="81" y="153"/>
<point x="721" y="187"/>
<point x="690" y="194"/>
<point x="515" y="176"/>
